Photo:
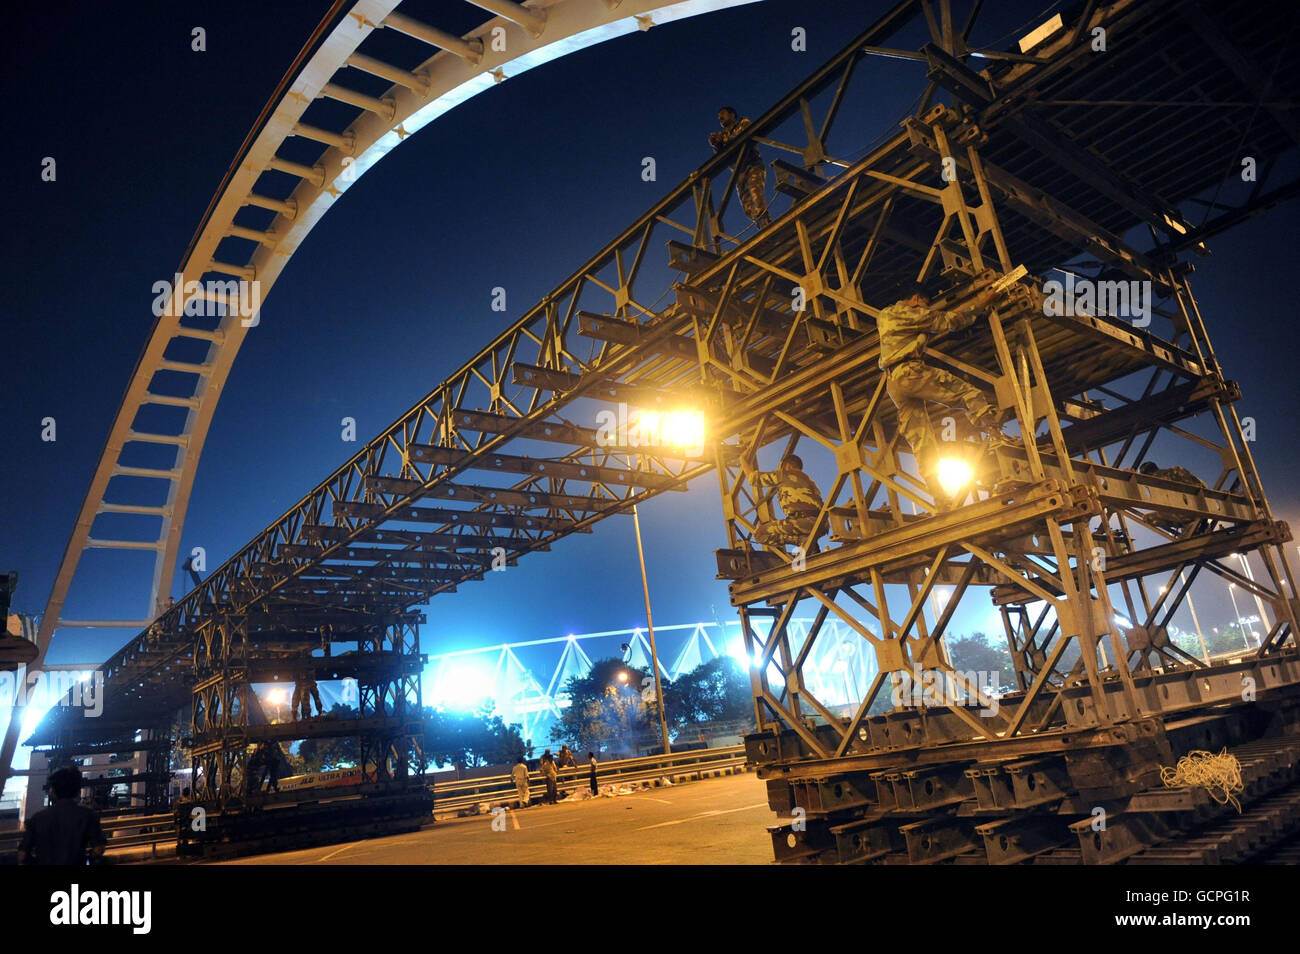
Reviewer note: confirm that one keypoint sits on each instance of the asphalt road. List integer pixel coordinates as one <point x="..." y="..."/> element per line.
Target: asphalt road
<point x="711" y="822"/>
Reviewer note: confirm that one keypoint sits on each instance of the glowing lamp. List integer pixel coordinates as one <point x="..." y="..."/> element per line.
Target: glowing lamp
<point x="955" y="475"/>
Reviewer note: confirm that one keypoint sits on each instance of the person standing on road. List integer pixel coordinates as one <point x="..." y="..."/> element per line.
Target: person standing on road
<point x="520" y="774"/>
<point x="564" y="759"/>
<point x="549" y="774"/>
<point x="66" y="833"/>
<point x="591" y="778"/>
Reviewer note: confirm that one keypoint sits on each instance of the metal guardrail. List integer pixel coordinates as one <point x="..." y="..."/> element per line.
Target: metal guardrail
<point x="129" y="831"/>
<point x="135" y="831"/>
<point x="455" y="796"/>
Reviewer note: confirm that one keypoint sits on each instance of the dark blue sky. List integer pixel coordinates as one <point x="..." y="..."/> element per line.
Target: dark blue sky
<point x="391" y="291"/>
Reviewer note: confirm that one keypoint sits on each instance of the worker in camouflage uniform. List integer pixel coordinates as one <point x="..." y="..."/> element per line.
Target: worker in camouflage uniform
<point x="751" y="177"/>
<point x="1171" y="521"/>
<point x="305" y="691"/>
<point x="800" y="501"/>
<point x="905" y="328"/>
<point x="1180" y="474"/>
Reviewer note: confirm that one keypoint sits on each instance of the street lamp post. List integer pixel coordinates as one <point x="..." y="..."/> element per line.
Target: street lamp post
<point x="1205" y="652"/>
<point x="1232" y="592"/>
<point x="650" y="625"/>
<point x="1259" y="603"/>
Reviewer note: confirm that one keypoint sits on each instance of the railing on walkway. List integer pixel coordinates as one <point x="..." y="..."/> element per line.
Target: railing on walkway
<point x="136" y="831"/>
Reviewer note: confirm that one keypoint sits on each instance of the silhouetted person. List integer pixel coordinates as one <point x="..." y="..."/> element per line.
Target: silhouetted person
<point x="751" y="174"/>
<point x="274" y="761"/>
<point x="256" y="771"/>
<point x="305" y="691"/>
<point x="591" y="777"/>
<point x="549" y="774"/>
<point x="66" y="833"/>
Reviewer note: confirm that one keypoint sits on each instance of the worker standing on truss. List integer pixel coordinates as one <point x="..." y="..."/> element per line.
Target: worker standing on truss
<point x="305" y="691"/>
<point x="800" y="501"/>
<point x="751" y="175"/>
<point x="905" y="329"/>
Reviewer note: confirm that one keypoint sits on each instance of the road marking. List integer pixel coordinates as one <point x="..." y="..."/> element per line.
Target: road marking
<point x="682" y="821"/>
<point x="337" y="851"/>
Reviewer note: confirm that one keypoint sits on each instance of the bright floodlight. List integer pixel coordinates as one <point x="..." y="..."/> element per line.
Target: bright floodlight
<point x="955" y="475"/>
<point x="278" y="697"/>
<point x="463" y="688"/>
<point x="683" y="429"/>
<point x="622" y="676"/>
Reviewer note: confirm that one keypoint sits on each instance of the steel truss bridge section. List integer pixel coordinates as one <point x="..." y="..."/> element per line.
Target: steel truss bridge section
<point x="470" y="475"/>
<point x="227" y="717"/>
<point x="1061" y="528"/>
<point x="352" y="95"/>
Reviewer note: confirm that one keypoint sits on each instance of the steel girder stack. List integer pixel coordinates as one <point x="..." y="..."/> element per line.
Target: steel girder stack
<point x="1086" y="557"/>
<point x="236" y="651"/>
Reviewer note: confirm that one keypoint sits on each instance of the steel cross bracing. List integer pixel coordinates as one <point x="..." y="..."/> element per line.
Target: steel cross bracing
<point x="780" y="375"/>
<point x="492" y="417"/>
<point x="1090" y="396"/>
<point x="368" y="77"/>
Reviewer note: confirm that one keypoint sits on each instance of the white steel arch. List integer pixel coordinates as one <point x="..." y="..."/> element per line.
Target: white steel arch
<point x="458" y="69"/>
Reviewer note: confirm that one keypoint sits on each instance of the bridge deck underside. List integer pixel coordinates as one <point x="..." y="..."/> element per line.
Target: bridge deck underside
<point x="1065" y="177"/>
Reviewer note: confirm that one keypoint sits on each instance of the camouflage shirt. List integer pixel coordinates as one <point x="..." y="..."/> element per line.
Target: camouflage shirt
<point x="1180" y="474"/>
<point x="722" y="138"/>
<point x="795" y="491"/>
<point x="904" y="329"/>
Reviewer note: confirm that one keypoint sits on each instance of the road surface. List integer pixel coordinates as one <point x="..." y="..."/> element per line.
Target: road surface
<point x="714" y="821"/>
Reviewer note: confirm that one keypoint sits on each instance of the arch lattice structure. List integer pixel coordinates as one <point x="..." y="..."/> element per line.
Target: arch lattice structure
<point x="290" y="170"/>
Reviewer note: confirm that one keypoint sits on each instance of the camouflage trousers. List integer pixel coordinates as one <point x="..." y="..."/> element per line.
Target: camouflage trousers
<point x="303" y="695"/>
<point x="751" y="183"/>
<point x="788" y="531"/>
<point x="911" y="384"/>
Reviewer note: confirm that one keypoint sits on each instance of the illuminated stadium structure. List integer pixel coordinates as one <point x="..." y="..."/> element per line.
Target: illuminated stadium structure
<point x="525" y="680"/>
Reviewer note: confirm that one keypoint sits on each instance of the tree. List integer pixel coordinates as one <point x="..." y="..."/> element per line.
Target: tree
<point x="1233" y="638"/>
<point x="328" y="754"/>
<point x="606" y="713"/>
<point x="977" y="653"/>
<point x="715" y="691"/>
<point x="470" y="738"/>
<point x="973" y="653"/>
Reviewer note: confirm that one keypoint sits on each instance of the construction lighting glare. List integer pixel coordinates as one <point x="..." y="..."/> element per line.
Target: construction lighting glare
<point x="463" y="688"/>
<point x="622" y="676"/>
<point x="680" y="428"/>
<point x="278" y="697"/>
<point x="955" y="474"/>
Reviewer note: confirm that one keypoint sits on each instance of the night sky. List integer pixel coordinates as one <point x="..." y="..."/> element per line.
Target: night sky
<point x="390" y="292"/>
